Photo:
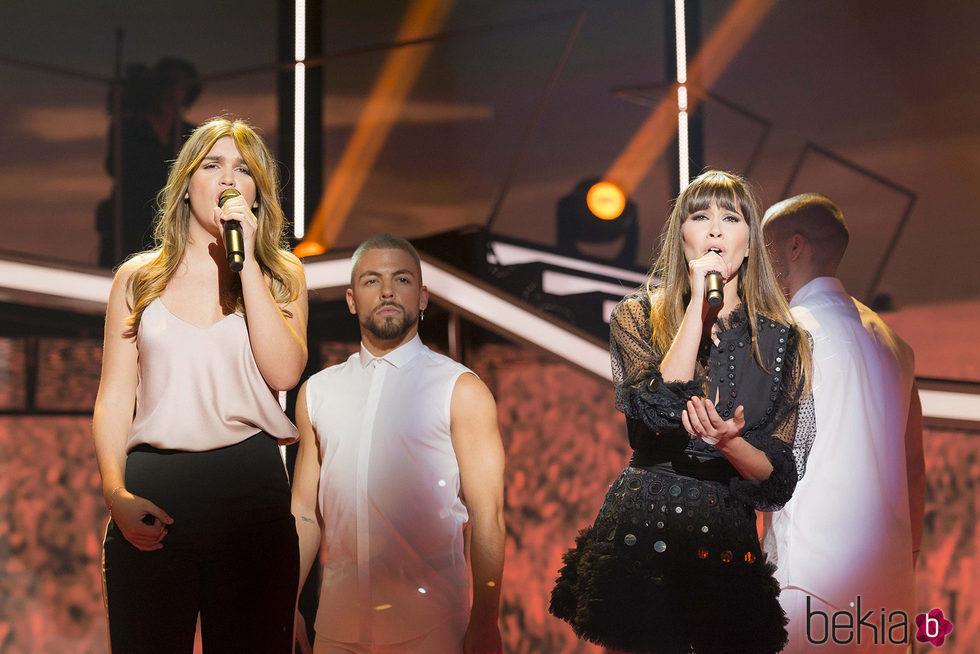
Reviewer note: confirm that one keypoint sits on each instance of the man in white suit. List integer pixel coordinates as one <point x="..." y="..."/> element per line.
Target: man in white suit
<point x="847" y="540"/>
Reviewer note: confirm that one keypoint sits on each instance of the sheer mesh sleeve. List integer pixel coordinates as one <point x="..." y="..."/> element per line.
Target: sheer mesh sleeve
<point x="641" y="392"/>
<point x="777" y="439"/>
<point x="800" y="432"/>
<point x="806" y="430"/>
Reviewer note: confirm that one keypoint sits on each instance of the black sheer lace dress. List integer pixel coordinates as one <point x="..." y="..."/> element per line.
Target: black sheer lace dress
<point x="672" y="562"/>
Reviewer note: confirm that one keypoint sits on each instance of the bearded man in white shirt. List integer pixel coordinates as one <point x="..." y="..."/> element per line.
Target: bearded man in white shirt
<point x="847" y="540"/>
<point x="399" y="450"/>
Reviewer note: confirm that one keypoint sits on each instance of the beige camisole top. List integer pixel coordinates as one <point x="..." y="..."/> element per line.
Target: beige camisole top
<point x="199" y="387"/>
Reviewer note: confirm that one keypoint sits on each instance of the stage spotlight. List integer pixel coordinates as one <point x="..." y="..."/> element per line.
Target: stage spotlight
<point x="308" y="249"/>
<point x="606" y="201"/>
<point x="597" y="221"/>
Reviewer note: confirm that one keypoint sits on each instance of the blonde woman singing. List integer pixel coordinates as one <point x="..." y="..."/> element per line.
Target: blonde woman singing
<point x="187" y="423"/>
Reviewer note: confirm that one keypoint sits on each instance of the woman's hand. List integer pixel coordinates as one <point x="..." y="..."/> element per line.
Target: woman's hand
<point x="699" y="268"/>
<point x="237" y="208"/>
<point x="133" y="516"/>
<point x="701" y="419"/>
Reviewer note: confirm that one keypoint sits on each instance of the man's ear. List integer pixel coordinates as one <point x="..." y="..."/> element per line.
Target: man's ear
<point x="423" y="298"/>
<point x="351" y="305"/>
<point x="797" y="242"/>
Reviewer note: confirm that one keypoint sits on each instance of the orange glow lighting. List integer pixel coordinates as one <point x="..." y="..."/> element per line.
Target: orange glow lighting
<point x="606" y="201"/>
<point x="308" y="249"/>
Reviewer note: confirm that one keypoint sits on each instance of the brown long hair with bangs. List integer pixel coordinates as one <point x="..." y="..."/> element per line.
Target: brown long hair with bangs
<point x="757" y="286"/>
<point x="283" y="270"/>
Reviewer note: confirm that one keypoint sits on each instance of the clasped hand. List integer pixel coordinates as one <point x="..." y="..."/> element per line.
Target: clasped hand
<point x="132" y="515"/>
<point x="702" y="420"/>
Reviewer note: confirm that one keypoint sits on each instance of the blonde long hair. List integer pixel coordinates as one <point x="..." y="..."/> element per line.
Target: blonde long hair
<point x="757" y="286"/>
<point x="284" y="271"/>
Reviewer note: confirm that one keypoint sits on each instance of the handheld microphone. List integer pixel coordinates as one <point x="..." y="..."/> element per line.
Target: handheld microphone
<point x="234" y="239"/>
<point x="713" y="288"/>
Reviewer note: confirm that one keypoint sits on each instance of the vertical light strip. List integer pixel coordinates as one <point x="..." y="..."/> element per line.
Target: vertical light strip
<point x="683" y="153"/>
<point x="680" y="36"/>
<point x="300" y="37"/>
<point x="683" y="167"/>
<point x="299" y="123"/>
<point x="299" y="151"/>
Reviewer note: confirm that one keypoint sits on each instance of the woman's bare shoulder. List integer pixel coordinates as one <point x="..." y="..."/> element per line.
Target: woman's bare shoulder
<point x="134" y="263"/>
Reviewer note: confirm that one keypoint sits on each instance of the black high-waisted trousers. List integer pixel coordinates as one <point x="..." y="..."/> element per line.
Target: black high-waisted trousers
<point x="231" y="554"/>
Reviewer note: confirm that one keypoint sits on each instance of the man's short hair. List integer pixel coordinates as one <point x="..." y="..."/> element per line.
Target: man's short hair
<point x="818" y="219"/>
<point x="385" y="242"/>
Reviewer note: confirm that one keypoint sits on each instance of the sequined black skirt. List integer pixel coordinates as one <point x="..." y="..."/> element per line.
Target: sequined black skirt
<point x="672" y="563"/>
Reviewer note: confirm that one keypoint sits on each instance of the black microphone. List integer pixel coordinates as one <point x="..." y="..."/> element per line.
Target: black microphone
<point x="234" y="239"/>
<point x="713" y="289"/>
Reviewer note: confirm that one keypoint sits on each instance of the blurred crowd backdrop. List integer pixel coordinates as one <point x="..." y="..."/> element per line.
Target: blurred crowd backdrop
<point x="564" y="443"/>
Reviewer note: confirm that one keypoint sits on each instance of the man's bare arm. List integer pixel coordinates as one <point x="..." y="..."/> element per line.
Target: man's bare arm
<point x="306" y="478"/>
<point x="480" y="455"/>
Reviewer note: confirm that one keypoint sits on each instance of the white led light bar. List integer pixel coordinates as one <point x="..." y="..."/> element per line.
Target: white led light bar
<point x="299" y="123"/>
<point x="683" y="150"/>
<point x="680" y="37"/>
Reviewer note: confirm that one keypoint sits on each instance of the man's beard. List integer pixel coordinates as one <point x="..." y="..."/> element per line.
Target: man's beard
<point x="390" y="328"/>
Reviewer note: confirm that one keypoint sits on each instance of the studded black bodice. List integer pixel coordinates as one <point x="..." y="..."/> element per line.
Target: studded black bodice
<point x="732" y="375"/>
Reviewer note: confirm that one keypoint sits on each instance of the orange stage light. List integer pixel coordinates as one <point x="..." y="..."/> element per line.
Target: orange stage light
<point x="308" y="249"/>
<point x="606" y="201"/>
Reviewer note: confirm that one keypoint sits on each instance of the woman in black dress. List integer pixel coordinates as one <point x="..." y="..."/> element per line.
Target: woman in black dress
<point x="672" y="562"/>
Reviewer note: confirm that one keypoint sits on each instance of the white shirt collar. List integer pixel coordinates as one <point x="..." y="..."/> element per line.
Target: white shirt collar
<point x="816" y="286"/>
<point x="397" y="357"/>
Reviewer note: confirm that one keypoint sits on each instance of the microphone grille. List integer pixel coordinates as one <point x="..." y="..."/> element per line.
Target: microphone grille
<point x="226" y="195"/>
